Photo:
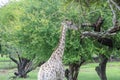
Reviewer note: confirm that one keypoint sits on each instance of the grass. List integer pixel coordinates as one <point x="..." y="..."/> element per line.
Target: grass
<point x="4" y="58"/>
<point x="87" y="71"/>
<point x="6" y="63"/>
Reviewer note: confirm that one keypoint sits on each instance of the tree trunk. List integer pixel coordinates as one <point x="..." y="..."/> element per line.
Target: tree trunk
<point x="24" y="66"/>
<point x="101" y="68"/>
<point x="73" y="71"/>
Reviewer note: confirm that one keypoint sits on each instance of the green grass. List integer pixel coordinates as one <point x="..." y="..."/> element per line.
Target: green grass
<point x="6" y="63"/>
<point x="4" y="58"/>
<point x="87" y="72"/>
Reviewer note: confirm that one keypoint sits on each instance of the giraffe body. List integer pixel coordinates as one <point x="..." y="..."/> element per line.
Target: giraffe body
<point x="53" y="69"/>
<point x="51" y="72"/>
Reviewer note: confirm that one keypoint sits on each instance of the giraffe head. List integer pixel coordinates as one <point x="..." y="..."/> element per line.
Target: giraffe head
<point x="69" y="25"/>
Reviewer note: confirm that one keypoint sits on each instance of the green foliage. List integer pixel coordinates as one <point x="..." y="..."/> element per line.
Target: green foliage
<point x="38" y="33"/>
<point x="34" y="27"/>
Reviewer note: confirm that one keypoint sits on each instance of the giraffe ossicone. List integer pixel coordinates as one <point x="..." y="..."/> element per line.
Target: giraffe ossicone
<point x="53" y="69"/>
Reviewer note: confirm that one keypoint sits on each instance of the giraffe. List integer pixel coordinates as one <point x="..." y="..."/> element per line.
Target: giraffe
<point x="53" y="69"/>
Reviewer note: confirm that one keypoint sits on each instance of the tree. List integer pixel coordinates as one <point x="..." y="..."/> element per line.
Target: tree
<point x="105" y="38"/>
<point x="33" y="27"/>
<point x="35" y="30"/>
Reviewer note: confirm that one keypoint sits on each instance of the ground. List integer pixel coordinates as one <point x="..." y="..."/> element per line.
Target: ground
<point x="87" y="72"/>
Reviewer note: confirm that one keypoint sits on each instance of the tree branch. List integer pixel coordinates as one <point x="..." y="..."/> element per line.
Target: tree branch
<point x="29" y="67"/>
<point x="115" y="4"/>
<point x="114" y="20"/>
<point x="114" y="29"/>
<point x="86" y="25"/>
<point x="95" y="34"/>
<point x="14" y="60"/>
<point x="20" y="60"/>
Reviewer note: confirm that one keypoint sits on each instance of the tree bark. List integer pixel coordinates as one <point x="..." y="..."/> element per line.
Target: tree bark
<point x="101" y="68"/>
<point x="73" y="71"/>
<point x="24" y="66"/>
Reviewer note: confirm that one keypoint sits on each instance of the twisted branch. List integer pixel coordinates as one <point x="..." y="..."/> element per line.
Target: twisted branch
<point x="96" y="34"/>
<point x="115" y="4"/>
<point x="114" y="20"/>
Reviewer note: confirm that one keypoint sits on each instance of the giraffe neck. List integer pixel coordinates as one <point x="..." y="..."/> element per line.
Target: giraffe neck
<point x="58" y="53"/>
<point x="61" y="44"/>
